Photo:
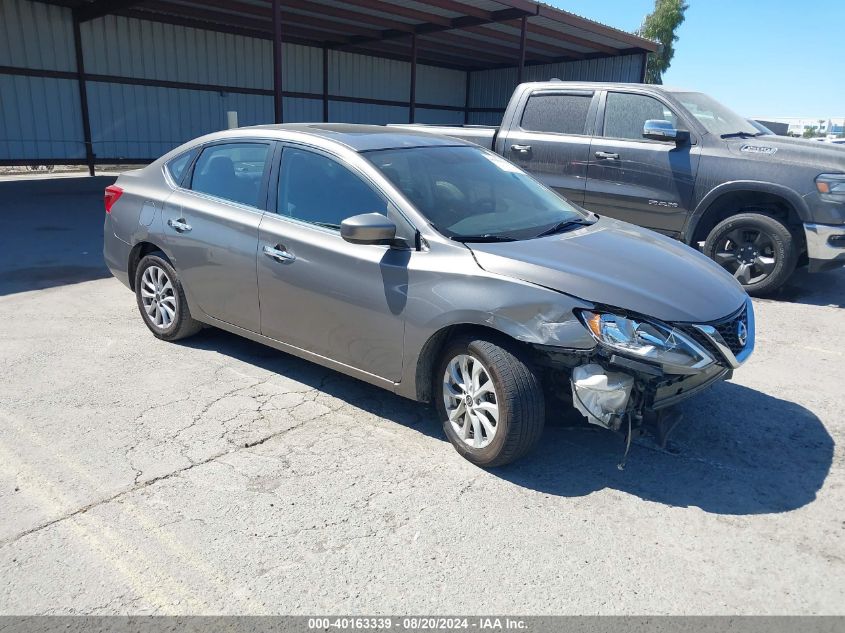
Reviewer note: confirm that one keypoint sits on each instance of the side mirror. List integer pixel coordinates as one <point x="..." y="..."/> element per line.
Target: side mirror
<point x="368" y="228"/>
<point x="659" y="130"/>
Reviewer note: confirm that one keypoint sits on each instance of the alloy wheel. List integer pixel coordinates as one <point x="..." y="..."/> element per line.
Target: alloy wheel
<point x="158" y="297"/>
<point x="748" y="254"/>
<point x="471" y="401"/>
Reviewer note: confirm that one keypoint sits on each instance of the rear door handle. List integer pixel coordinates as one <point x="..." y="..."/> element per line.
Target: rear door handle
<point x="179" y="225"/>
<point x="607" y="156"/>
<point x="522" y="149"/>
<point x="279" y="253"/>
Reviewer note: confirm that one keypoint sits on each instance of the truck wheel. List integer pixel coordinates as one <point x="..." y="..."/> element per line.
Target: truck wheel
<point x="758" y="250"/>
<point x="490" y="400"/>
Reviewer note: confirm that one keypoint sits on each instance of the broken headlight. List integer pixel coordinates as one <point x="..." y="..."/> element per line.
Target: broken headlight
<point x="646" y="339"/>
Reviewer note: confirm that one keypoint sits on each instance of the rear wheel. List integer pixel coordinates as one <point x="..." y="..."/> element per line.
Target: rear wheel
<point x="161" y="299"/>
<point x="758" y="250"/>
<point x="490" y="400"/>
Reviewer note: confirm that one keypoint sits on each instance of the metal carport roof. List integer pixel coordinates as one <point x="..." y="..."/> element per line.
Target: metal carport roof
<point x="465" y="34"/>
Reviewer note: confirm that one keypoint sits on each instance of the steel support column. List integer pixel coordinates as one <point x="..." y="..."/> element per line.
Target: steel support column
<point x="83" y="95"/>
<point x="277" y="62"/>
<point x="325" y="84"/>
<point x="412" y="98"/>
<point x="466" y="96"/>
<point x="523" y="27"/>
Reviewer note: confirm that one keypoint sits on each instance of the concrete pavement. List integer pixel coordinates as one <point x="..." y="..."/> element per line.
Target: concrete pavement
<point x="220" y="476"/>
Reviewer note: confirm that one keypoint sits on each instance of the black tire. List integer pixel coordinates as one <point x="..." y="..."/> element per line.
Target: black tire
<point x="519" y="396"/>
<point x="759" y="250"/>
<point x="181" y="324"/>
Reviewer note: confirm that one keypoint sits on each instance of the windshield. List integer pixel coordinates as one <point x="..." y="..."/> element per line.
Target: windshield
<point x="471" y="194"/>
<point x="713" y="115"/>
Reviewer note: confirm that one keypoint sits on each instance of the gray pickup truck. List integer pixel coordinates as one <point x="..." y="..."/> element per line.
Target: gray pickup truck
<point x="682" y="164"/>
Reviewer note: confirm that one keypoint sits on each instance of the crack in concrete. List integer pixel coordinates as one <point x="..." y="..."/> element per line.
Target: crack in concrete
<point x="140" y="486"/>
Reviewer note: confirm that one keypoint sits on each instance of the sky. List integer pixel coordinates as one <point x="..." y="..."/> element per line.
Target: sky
<point x="778" y="58"/>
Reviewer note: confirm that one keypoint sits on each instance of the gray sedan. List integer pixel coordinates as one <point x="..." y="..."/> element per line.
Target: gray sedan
<point x="430" y="267"/>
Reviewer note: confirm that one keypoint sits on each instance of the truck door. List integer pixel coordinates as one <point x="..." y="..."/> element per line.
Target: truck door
<point x="645" y="182"/>
<point x="551" y="139"/>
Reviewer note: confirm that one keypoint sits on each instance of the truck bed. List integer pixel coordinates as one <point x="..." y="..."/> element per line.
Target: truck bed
<point x="483" y="135"/>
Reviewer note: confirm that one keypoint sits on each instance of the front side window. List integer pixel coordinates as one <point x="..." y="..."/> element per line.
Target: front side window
<point x="470" y="194"/>
<point x="559" y="114"/>
<point x="316" y="189"/>
<point x="625" y="115"/>
<point x="232" y="171"/>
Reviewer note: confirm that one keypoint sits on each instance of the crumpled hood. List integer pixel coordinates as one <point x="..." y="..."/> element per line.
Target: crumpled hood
<point x="621" y="265"/>
<point x="808" y="153"/>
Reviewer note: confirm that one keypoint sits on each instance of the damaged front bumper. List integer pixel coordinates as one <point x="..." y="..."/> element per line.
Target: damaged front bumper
<point x="610" y="388"/>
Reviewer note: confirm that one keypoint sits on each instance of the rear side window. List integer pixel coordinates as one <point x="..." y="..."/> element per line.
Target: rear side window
<point x="560" y="114"/>
<point x="316" y="189"/>
<point x="232" y="171"/>
<point x="176" y="167"/>
<point x="626" y="114"/>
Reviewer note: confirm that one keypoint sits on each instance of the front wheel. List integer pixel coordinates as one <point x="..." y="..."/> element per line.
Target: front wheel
<point x="758" y="250"/>
<point x="490" y="400"/>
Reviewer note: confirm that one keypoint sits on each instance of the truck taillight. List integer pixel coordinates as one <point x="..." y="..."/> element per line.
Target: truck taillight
<point x="113" y="192"/>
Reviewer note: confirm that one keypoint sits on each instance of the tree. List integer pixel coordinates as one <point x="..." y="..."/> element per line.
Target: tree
<point x="810" y="131"/>
<point x="661" y="25"/>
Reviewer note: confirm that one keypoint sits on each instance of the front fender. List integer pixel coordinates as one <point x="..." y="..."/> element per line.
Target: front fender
<point x="798" y="203"/>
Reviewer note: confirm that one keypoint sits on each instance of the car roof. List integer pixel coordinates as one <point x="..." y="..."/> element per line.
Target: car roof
<point x="361" y="138"/>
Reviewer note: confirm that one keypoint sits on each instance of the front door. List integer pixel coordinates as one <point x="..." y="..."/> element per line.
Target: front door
<point x="552" y="140"/>
<point x="318" y="292"/>
<point x="645" y="182"/>
<point x="211" y="229"/>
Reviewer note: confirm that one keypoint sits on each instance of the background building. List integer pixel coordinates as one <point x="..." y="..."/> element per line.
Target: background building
<point x="116" y="81"/>
<point x="829" y="127"/>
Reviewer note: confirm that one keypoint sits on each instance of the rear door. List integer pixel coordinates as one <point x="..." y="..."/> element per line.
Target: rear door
<point x="211" y="228"/>
<point x="645" y="182"/>
<point x="551" y="139"/>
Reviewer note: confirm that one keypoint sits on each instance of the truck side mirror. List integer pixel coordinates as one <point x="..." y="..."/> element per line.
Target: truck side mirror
<point x="368" y="228"/>
<point x="659" y="130"/>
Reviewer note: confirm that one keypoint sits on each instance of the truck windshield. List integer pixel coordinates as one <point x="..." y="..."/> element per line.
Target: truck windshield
<point x="470" y="194"/>
<point x="714" y="116"/>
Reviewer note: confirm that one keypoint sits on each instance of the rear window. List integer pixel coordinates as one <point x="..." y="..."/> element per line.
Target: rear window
<point x="176" y="167"/>
<point x="560" y="114"/>
<point x="232" y="171"/>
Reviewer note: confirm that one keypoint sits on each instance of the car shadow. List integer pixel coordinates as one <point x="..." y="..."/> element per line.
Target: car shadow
<point x="817" y="289"/>
<point x="738" y="451"/>
<point x="51" y="232"/>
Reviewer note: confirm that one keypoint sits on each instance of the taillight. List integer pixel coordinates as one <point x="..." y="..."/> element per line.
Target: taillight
<point x="113" y="192"/>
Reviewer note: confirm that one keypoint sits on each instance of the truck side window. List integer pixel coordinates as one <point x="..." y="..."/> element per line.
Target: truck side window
<point x="626" y="114"/>
<point x="559" y="114"/>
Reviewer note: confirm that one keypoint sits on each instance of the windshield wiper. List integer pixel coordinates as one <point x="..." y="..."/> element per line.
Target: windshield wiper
<point x="742" y="135"/>
<point x="562" y="226"/>
<point x="487" y="237"/>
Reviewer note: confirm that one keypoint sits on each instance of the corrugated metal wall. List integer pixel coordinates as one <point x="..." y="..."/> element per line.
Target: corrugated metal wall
<point x="40" y="116"/>
<point x="493" y="88"/>
<point x="36" y="35"/>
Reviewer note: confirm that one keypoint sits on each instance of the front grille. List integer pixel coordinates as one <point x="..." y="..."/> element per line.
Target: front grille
<point x="728" y="331"/>
<point x="702" y="339"/>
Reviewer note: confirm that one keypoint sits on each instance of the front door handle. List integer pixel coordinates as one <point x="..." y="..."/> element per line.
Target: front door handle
<point x="279" y="253"/>
<point x="521" y="149"/>
<point x="607" y="156"/>
<point x="179" y="225"/>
